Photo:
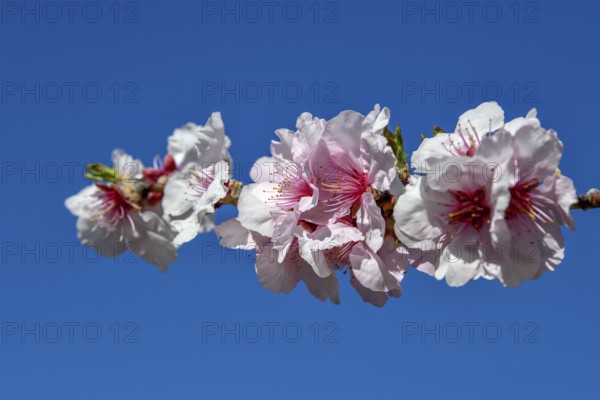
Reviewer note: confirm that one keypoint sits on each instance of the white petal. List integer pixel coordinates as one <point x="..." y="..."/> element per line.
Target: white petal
<point x="175" y="201"/>
<point x="310" y="131"/>
<point x="378" y="299"/>
<point x="103" y="238"/>
<point x="211" y="143"/>
<point x="370" y="222"/>
<point x="486" y="118"/>
<point x="81" y="204"/>
<point x="460" y="260"/>
<point x="283" y="149"/>
<point x="413" y="223"/>
<point x="321" y="288"/>
<point x="217" y="189"/>
<point x="379" y="160"/>
<point x="127" y="167"/>
<point x="370" y="270"/>
<point x="182" y="145"/>
<point x="254" y="214"/>
<point x="394" y="258"/>
<point x="234" y="236"/>
<point x="344" y="133"/>
<point x="154" y="240"/>
<point x="275" y="276"/>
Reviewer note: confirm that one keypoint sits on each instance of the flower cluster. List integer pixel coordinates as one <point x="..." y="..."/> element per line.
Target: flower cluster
<point x="487" y="201"/>
<point x="336" y="197"/>
<point x="152" y="211"/>
<point x="313" y="209"/>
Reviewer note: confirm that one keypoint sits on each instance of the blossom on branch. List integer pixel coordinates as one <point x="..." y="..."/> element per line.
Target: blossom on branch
<point x="113" y="215"/>
<point x="200" y="181"/>
<point x="488" y="201"/>
<point x="314" y="205"/>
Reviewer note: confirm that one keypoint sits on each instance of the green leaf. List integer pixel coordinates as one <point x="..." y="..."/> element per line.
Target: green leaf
<point x="437" y="130"/>
<point x="100" y="172"/>
<point x="396" y="142"/>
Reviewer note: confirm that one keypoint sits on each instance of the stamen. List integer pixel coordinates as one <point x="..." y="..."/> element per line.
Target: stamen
<point x="470" y="208"/>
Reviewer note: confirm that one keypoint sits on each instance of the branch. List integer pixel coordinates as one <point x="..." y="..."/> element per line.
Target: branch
<point x="233" y="195"/>
<point x="589" y="200"/>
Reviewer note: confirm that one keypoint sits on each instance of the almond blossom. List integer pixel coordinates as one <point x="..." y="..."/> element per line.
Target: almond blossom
<point x="498" y="214"/>
<point x="200" y="177"/>
<point x="314" y="204"/>
<point x="112" y="217"/>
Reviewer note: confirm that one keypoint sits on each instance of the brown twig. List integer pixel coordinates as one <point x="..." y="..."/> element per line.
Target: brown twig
<point x="589" y="200"/>
<point x="233" y="195"/>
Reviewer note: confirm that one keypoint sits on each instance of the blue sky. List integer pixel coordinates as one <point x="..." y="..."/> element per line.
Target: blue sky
<point x="78" y="82"/>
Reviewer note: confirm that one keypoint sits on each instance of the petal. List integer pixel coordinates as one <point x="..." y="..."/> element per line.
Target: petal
<point x="370" y="222"/>
<point x="182" y="145"/>
<point x="310" y="131"/>
<point x="427" y="158"/>
<point x="486" y="118"/>
<point x="128" y="167"/>
<point x="234" y="236"/>
<point x="267" y="169"/>
<point x="344" y="133"/>
<point x="283" y="231"/>
<point x="81" y="204"/>
<point x="189" y="227"/>
<point x="377" y="119"/>
<point x="379" y="160"/>
<point x="378" y="299"/>
<point x="175" y="201"/>
<point x="154" y="240"/>
<point x="321" y="288"/>
<point x="211" y="142"/>
<point x="217" y="189"/>
<point x="313" y="254"/>
<point x="254" y="214"/>
<point x="394" y="258"/>
<point x="283" y="149"/>
<point x="460" y="260"/>
<point x="370" y="270"/>
<point x="103" y="238"/>
<point x="275" y="276"/>
<point x="313" y="244"/>
<point x="517" y="123"/>
<point x="567" y="196"/>
<point x="413" y="222"/>
<point x="539" y="148"/>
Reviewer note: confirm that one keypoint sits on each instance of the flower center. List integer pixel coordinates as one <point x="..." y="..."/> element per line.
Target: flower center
<point x="346" y="184"/>
<point x="525" y="202"/>
<point x="470" y="208"/>
<point x="291" y="188"/>
<point x="113" y="207"/>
